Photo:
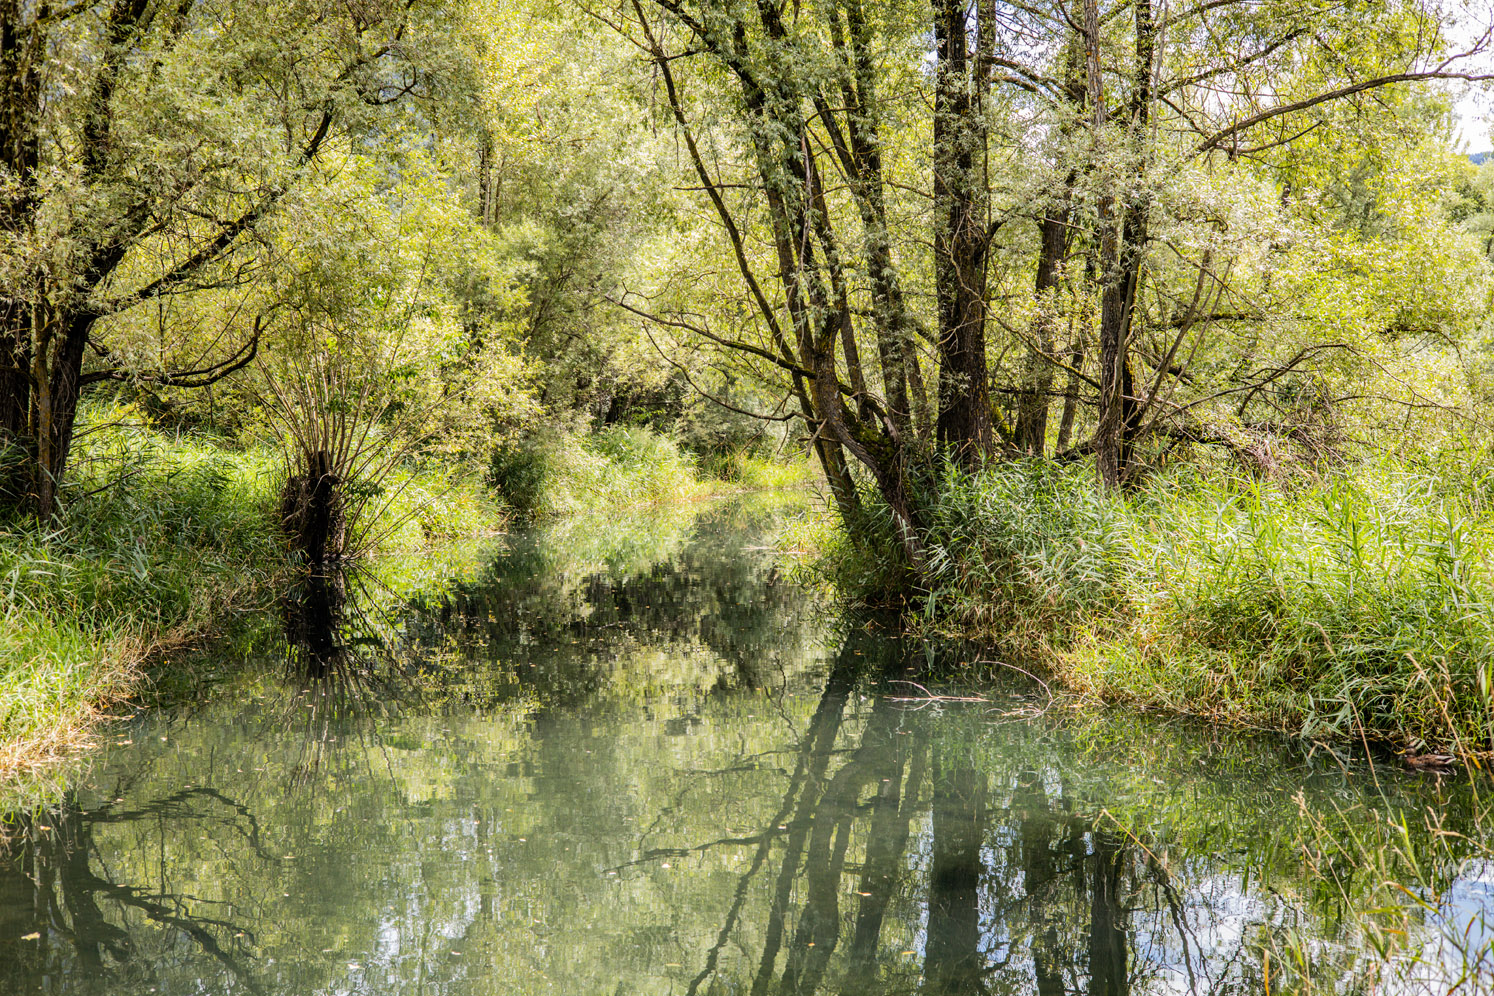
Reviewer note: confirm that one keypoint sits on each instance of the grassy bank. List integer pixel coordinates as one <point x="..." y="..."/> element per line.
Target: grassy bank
<point x="557" y="474"/>
<point x="1356" y="608"/>
<point x="161" y="537"/>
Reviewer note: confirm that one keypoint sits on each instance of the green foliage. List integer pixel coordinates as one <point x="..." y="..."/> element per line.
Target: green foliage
<point x="559" y="473"/>
<point x="398" y="289"/>
<point x="170" y="536"/>
<point x="754" y="472"/>
<point x="452" y="271"/>
<point x="164" y="537"/>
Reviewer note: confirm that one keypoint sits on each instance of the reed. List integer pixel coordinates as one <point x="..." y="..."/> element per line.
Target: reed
<point x="158" y="538"/>
<point x="1354" y="609"/>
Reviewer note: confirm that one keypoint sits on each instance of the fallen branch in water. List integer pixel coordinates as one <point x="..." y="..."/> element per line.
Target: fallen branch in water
<point x="929" y="696"/>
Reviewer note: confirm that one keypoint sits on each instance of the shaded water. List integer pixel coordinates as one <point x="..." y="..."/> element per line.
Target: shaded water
<point x="630" y="757"/>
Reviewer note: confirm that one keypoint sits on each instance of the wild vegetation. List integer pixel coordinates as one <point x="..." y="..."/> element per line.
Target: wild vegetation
<point x="874" y="843"/>
<point x="1340" y="612"/>
<point x="1116" y="340"/>
<point x="1140" y="350"/>
<point x="282" y="286"/>
<point x="166" y="537"/>
<point x="1152" y="339"/>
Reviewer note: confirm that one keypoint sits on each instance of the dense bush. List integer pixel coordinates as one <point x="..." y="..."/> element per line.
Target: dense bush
<point x="556" y="474"/>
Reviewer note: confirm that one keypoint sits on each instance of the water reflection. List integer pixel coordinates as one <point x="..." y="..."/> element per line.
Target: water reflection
<point x="314" y="612"/>
<point x="64" y="917"/>
<point x="654" y="769"/>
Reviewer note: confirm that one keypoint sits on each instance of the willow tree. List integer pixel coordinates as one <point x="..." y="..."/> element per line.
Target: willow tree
<point x="829" y="296"/>
<point x="146" y="143"/>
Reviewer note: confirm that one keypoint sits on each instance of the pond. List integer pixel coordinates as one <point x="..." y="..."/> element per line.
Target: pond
<point x="634" y="756"/>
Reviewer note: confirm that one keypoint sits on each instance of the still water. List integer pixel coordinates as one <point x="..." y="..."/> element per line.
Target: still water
<point x="633" y="756"/>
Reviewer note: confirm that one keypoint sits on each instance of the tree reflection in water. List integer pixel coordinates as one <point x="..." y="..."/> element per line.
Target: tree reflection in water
<point x="65" y="920"/>
<point x="983" y="927"/>
<point x="659" y="773"/>
<point x="341" y="662"/>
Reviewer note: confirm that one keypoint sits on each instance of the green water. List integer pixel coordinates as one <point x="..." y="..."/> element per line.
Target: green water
<point x="631" y="756"/>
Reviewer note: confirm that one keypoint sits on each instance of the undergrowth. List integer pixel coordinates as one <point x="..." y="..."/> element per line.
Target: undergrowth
<point x="551" y="475"/>
<point x="159" y="537"/>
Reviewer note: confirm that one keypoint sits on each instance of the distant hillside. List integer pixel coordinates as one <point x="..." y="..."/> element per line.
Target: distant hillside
<point x="1478" y="158"/>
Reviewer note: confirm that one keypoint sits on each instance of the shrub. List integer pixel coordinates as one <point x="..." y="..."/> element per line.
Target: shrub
<point x="558" y="474"/>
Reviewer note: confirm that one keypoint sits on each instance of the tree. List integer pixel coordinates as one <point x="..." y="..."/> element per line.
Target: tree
<point x="147" y="143"/>
<point x="806" y="114"/>
<point x="1285" y="66"/>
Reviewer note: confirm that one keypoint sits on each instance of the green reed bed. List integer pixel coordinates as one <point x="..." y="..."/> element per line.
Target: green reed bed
<point x="1358" y="607"/>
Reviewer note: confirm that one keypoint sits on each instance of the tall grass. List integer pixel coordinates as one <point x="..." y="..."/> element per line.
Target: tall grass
<point x="750" y="472"/>
<point x="159" y="538"/>
<point x="1360" y="608"/>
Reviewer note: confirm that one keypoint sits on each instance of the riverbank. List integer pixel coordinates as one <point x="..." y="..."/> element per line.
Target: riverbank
<point x="1354" y="608"/>
<point x="150" y="553"/>
<point x="576" y="722"/>
<point x="165" y="535"/>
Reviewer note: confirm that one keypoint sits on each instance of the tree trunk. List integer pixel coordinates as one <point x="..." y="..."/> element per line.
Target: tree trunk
<point x="487" y="207"/>
<point x="1053" y="248"/>
<point x="1071" y="393"/>
<point x="1123" y="247"/>
<point x="810" y="268"/>
<point x="885" y="862"/>
<point x="312" y="513"/>
<point x="1039" y="875"/>
<point x="863" y="162"/>
<point x="961" y="239"/>
<point x="1108" y="941"/>
<point x="1032" y="410"/>
<point x="1120" y="269"/>
<point x="17" y="446"/>
<point x="63" y="395"/>
<point x="818" y="746"/>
